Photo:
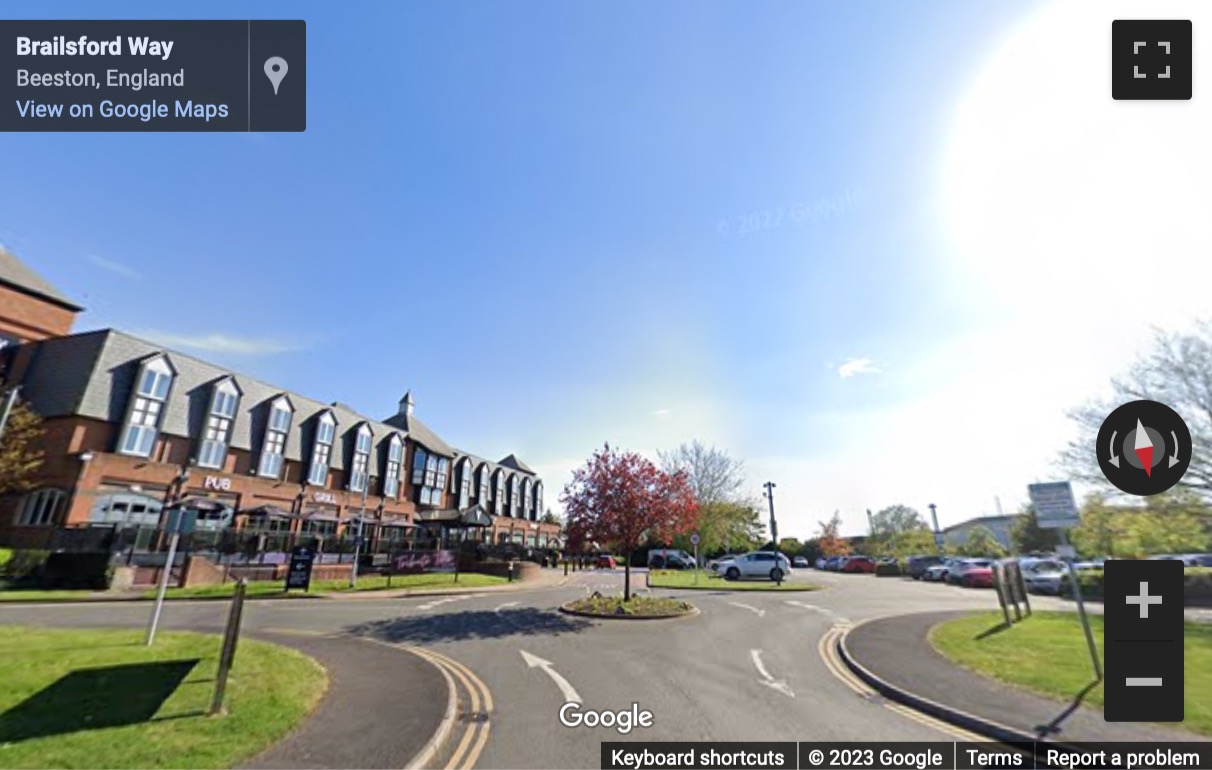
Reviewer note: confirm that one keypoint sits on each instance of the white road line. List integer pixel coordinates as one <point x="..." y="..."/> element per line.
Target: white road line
<point x="440" y="602"/>
<point x="825" y="610"/>
<point x="767" y="679"/>
<point x="534" y="661"/>
<point x="506" y="604"/>
<point x="754" y="610"/>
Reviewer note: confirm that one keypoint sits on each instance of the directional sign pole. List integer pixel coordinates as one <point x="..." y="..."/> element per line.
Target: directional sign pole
<point x="168" y="568"/>
<point x="1081" y="606"/>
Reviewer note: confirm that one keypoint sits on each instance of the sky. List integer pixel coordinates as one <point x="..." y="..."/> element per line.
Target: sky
<point x="875" y="250"/>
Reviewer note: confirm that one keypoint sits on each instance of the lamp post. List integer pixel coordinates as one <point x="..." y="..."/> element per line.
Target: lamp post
<point x="774" y="529"/>
<point x="353" y="573"/>
<point x="938" y="540"/>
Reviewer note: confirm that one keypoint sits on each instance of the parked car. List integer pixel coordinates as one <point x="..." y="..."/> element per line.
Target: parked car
<point x="858" y="564"/>
<point x="916" y="566"/>
<point x="977" y="573"/>
<point x="938" y="572"/>
<point x="763" y="564"/>
<point x="800" y="561"/>
<point x="834" y="563"/>
<point x="660" y="558"/>
<point x="1188" y="559"/>
<point x="605" y="561"/>
<point x="955" y="575"/>
<point x="1045" y="577"/>
<point x="820" y="562"/>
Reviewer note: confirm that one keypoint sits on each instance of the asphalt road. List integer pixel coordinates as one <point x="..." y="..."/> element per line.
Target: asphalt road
<point x="747" y="668"/>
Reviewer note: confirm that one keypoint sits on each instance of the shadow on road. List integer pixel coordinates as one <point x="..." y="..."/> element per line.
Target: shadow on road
<point x="96" y="698"/>
<point x="1054" y="726"/>
<point x="481" y="624"/>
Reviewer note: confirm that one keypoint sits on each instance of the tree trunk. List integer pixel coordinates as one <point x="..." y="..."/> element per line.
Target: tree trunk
<point x="627" y="577"/>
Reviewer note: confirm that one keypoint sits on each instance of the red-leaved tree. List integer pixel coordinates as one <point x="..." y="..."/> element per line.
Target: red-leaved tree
<point x="620" y="498"/>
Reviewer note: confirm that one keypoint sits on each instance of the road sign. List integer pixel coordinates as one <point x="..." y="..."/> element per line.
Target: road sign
<point x="180" y="521"/>
<point x="302" y="559"/>
<point x="1054" y="505"/>
<point x="695" y="539"/>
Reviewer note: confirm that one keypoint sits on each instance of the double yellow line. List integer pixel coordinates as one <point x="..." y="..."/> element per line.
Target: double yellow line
<point x="477" y="699"/>
<point x="828" y="649"/>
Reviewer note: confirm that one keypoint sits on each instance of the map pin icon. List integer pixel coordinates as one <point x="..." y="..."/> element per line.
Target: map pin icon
<point x="275" y="70"/>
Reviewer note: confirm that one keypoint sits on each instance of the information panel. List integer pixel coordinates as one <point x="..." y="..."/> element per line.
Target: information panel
<point x="153" y="75"/>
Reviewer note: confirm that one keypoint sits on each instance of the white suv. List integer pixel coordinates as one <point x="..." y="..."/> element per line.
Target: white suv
<point x="763" y="564"/>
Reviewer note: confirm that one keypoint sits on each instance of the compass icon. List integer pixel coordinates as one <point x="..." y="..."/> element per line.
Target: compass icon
<point x="1144" y="448"/>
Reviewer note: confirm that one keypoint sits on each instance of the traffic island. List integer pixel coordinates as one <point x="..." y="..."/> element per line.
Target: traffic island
<point x="638" y="608"/>
<point x="102" y="698"/>
<point x="683" y="580"/>
<point x="900" y="658"/>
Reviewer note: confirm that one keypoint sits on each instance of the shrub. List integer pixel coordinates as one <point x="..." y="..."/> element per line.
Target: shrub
<point x="23" y="566"/>
<point x="78" y="570"/>
<point x="888" y="569"/>
<point x="6" y="555"/>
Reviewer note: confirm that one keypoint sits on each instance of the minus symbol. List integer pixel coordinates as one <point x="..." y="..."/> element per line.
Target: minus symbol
<point x="1144" y="681"/>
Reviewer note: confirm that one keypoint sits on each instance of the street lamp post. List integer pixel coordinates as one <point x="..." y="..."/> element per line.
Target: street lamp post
<point x="938" y="541"/>
<point x="774" y="529"/>
<point x="353" y="573"/>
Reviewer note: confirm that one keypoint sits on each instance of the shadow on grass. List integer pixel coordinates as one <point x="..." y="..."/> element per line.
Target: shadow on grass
<point x="991" y="631"/>
<point x="96" y="698"/>
<point x="1054" y="727"/>
<point x="455" y="626"/>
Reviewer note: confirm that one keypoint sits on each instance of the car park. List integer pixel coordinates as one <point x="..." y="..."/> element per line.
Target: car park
<point x="756" y="564"/>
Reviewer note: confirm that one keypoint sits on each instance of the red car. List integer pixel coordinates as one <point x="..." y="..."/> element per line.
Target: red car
<point x="605" y="562"/>
<point x="858" y="564"/>
<point x="977" y="576"/>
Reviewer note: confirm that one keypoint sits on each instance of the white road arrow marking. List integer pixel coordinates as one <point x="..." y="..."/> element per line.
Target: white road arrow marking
<point x="506" y="604"/>
<point x="767" y="679"/>
<point x="755" y="610"/>
<point x="534" y="661"/>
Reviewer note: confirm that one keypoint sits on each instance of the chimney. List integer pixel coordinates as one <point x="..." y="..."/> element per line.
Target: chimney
<point x="407" y="404"/>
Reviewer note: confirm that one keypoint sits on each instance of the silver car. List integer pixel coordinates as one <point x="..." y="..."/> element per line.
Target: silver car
<point x="756" y="564"/>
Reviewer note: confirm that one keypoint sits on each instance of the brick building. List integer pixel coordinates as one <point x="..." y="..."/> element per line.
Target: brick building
<point x="131" y="426"/>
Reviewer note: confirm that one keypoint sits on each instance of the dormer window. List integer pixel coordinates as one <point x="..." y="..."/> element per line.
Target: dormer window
<point x="391" y="474"/>
<point x="498" y="499"/>
<point x="274" y="447"/>
<point x="485" y="484"/>
<point x="429" y="472"/>
<point x="527" y="513"/>
<point x="321" y="452"/>
<point x="361" y="460"/>
<point x="465" y="483"/>
<point x="146" y="408"/>
<point x="538" y="499"/>
<point x="219" y="419"/>
<point x="513" y="496"/>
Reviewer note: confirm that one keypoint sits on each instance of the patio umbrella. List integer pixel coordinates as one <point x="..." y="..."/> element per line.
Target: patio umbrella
<point x="199" y="504"/>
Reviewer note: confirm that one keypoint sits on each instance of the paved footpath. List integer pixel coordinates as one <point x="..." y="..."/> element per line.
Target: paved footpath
<point x="897" y="652"/>
<point x="382" y="706"/>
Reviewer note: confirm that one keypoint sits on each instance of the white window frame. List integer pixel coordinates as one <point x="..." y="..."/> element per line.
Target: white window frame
<point x="273" y="448"/>
<point x="220" y="417"/>
<point x="321" y="451"/>
<point x="498" y="499"/>
<point x="485" y="485"/>
<point x="40" y="508"/>
<point x="391" y="473"/>
<point x="527" y="513"/>
<point x="146" y="411"/>
<point x="513" y="496"/>
<point x="465" y="483"/>
<point x="538" y="500"/>
<point x="360" y="469"/>
<point x="420" y="459"/>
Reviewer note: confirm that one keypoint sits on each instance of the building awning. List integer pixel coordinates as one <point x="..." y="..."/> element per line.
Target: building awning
<point x="269" y="512"/>
<point x="468" y="517"/>
<point x="400" y="522"/>
<point x="320" y="516"/>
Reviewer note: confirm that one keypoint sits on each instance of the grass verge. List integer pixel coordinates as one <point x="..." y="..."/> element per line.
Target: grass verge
<point x="101" y="699"/>
<point x="1047" y="654"/>
<point x="639" y="606"/>
<point x="686" y="579"/>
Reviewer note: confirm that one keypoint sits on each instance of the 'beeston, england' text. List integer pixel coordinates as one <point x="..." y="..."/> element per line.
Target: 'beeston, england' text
<point x="135" y="81"/>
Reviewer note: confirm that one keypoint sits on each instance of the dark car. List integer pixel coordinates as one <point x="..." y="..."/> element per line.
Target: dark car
<point x="917" y="565"/>
<point x="605" y="561"/>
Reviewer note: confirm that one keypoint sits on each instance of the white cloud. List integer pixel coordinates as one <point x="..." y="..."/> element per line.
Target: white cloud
<point x="661" y="413"/>
<point x="222" y="343"/>
<point x="857" y="366"/>
<point x="114" y="267"/>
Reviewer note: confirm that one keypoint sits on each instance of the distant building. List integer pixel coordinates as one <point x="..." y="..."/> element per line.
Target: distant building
<point x="999" y="526"/>
<point x="30" y="308"/>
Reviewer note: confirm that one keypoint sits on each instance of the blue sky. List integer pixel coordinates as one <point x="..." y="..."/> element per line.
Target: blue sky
<point x="561" y="224"/>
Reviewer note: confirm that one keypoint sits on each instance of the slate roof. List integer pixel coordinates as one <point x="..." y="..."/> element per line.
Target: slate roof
<point x="513" y="462"/>
<point x="93" y="375"/>
<point x="20" y="276"/>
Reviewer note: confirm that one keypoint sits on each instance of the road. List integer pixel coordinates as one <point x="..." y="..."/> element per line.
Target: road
<point x="749" y="667"/>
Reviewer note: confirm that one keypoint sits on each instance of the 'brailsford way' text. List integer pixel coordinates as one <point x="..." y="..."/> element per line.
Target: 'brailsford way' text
<point x="61" y="46"/>
<point x="145" y="112"/>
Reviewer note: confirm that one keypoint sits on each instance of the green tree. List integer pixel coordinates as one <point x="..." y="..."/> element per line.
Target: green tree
<point x="790" y="546"/>
<point x="724" y="526"/>
<point x="981" y="542"/>
<point x="1095" y="536"/>
<point x="890" y="527"/>
<point x="19" y="457"/>
<point x="1028" y="537"/>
